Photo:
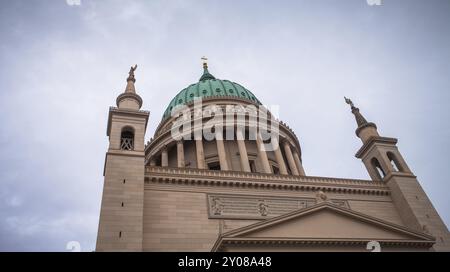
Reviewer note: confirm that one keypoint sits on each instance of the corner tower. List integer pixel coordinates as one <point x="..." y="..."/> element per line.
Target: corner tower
<point x="121" y="215"/>
<point x="384" y="163"/>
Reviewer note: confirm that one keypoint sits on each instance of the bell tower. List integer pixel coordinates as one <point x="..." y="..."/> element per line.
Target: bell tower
<point x="121" y="215"/>
<point x="384" y="163"/>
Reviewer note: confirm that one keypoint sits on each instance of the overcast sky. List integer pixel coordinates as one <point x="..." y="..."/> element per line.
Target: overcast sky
<point x="62" y="66"/>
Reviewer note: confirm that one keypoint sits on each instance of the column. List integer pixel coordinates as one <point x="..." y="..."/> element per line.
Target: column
<point x="298" y="163"/>
<point x="164" y="157"/>
<point x="221" y="150"/>
<point x="180" y="154"/>
<point x="290" y="158"/>
<point x="279" y="157"/>
<point x="245" y="166"/>
<point x="201" y="164"/>
<point x="262" y="154"/>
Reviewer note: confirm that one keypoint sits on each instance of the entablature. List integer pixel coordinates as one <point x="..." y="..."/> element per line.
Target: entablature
<point x="238" y="179"/>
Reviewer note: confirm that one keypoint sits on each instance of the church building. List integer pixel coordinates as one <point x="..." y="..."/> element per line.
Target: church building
<point x="221" y="173"/>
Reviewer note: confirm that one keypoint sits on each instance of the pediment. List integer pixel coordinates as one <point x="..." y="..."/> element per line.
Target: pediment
<point x="325" y="222"/>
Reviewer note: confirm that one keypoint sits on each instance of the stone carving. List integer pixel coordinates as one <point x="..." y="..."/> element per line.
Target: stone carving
<point x="425" y="229"/>
<point x="257" y="207"/>
<point x="216" y="206"/>
<point x="340" y="203"/>
<point x="131" y="73"/>
<point x="321" y="197"/>
<point x="254" y="207"/>
<point x="263" y="208"/>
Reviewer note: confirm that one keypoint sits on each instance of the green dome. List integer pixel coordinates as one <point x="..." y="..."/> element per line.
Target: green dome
<point x="209" y="86"/>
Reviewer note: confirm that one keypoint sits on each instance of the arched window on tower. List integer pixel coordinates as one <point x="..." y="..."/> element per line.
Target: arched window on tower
<point x="394" y="162"/>
<point x="376" y="165"/>
<point x="127" y="138"/>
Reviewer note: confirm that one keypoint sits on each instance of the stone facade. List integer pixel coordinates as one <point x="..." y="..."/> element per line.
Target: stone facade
<point x="198" y="194"/>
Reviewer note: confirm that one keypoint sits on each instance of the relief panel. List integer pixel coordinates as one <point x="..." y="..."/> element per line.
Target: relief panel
<point x="257" y="207"/>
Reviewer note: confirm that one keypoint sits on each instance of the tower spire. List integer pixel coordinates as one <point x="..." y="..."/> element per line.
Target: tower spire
<point x="129" y="98"/>
<point x="206" y="74"/>
<point x="362" y="122"/>
<point x="131" y="80"/>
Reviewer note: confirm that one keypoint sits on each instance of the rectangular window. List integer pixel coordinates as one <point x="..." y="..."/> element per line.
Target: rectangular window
<point x="214" y="166"/>
<point x="252" y="166"/>
<point x="275" y="170"/>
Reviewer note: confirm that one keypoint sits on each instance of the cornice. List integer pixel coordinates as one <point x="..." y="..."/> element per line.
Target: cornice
<point x="128" y="153"/>
<point x="202" y="177"/>
<point x="314" y="242"/>
<point x="126" y="112"/>
<point x="375" y="139"/>
<point x="389" y="176"/>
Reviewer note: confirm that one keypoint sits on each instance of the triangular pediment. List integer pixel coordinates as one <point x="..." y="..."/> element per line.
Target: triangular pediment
<point x="326" y="221"/>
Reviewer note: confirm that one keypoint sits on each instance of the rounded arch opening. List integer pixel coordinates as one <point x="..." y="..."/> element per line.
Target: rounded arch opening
<point x="378" y="169"/>
<point x="394" y="162"/>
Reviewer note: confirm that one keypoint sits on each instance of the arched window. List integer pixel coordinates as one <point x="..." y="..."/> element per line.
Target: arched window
<point x="127" y="138"/>
<point x="376" y="165"/>
<point x="394" y="162"/>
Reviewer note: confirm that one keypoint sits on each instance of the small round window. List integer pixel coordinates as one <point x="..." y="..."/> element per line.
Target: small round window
<point x="204" y="91"/>
<point x="230" y="90"/>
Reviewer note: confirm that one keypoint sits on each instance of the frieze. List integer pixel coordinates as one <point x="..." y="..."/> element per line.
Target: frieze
<point x="257" y="207"/>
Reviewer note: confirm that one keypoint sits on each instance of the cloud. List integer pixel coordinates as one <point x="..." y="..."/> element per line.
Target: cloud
<point x="14" y="201"/>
